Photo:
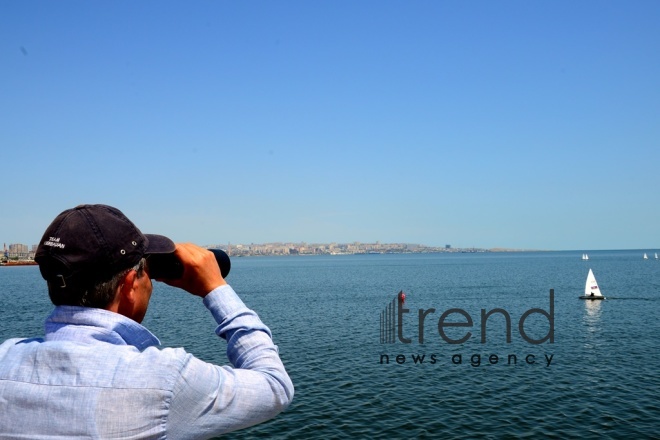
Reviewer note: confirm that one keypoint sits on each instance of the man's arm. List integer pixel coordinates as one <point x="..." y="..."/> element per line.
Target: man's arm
<point x="209" y="399"/>
<point x="215" y="399"/>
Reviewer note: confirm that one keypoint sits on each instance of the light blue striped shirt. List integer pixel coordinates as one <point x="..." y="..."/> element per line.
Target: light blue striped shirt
<point x="98" y="374"/>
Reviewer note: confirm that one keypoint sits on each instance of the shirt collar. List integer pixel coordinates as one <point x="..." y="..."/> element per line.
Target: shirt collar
<point x="89" y="325"/>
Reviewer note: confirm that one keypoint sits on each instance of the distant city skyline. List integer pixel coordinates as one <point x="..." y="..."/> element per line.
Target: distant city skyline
<point x="14" y="250"/>
<point x="22" y="251"/>
<point x="527" y="125"/>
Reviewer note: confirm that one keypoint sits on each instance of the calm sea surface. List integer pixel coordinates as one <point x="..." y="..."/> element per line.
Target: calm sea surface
<point x="599" y="378"/>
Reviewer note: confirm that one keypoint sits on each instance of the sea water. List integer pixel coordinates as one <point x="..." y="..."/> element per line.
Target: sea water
<point x="597" y="378"/>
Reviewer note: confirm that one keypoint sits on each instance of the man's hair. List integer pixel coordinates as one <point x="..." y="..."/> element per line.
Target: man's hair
<point x="99" y="295"/>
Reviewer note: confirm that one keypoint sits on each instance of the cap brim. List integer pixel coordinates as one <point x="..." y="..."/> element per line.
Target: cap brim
<point x="159" y="244"/>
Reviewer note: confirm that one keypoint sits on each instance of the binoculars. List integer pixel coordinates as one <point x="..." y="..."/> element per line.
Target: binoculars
<point x="168" y="266"/>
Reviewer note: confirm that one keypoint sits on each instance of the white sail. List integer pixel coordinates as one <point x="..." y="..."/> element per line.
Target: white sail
<point x="656" y="255"/>
<point x="645" y="257"/>
<point x="591" y="287"/>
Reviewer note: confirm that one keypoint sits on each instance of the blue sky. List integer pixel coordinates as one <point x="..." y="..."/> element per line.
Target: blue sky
<point x="490" y="124"/>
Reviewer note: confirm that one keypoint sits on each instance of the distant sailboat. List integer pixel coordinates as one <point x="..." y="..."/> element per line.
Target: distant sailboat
<point x="585" y="256"/>
<point x="645" y="257"/>
<point x="591" y="290"/>
<point x="656" y="255"/>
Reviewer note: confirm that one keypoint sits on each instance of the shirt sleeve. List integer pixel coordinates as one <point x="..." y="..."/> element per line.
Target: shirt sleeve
<point x="208" y="399"/>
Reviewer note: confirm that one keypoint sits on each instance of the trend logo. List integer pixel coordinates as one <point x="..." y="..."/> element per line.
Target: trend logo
<point x="392" y="322"/>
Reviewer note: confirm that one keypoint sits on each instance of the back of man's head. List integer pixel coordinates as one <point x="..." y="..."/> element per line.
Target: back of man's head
<point x="88" y="246"/>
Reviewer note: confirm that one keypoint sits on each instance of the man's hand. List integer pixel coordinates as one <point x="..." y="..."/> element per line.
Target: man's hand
<point x="201" y="273"/>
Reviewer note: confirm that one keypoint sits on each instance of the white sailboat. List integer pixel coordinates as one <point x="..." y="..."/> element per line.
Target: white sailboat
<point x="591" y="290"/>
<point x="585" y="256"/>
<point x="656" y="255"/>
<point x="645" y="257"/>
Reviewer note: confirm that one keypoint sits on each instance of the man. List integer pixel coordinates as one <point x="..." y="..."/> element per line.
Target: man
<point x="98" y="373"/>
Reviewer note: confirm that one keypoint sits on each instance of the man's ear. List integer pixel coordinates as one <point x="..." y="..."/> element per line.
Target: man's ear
<point x="126" y="293"/>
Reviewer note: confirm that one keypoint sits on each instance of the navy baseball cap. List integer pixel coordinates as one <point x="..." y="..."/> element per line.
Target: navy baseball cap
<point x="89" y="244"/>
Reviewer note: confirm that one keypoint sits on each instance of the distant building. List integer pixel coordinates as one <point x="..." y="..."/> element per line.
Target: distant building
<point x="19" y="251"/>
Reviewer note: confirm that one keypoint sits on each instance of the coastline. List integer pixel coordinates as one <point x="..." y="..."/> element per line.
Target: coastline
<point x="18" y="263"/>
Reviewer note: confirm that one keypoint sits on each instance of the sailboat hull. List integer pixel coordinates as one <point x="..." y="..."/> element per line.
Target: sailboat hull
<point x="592" y="297"/>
